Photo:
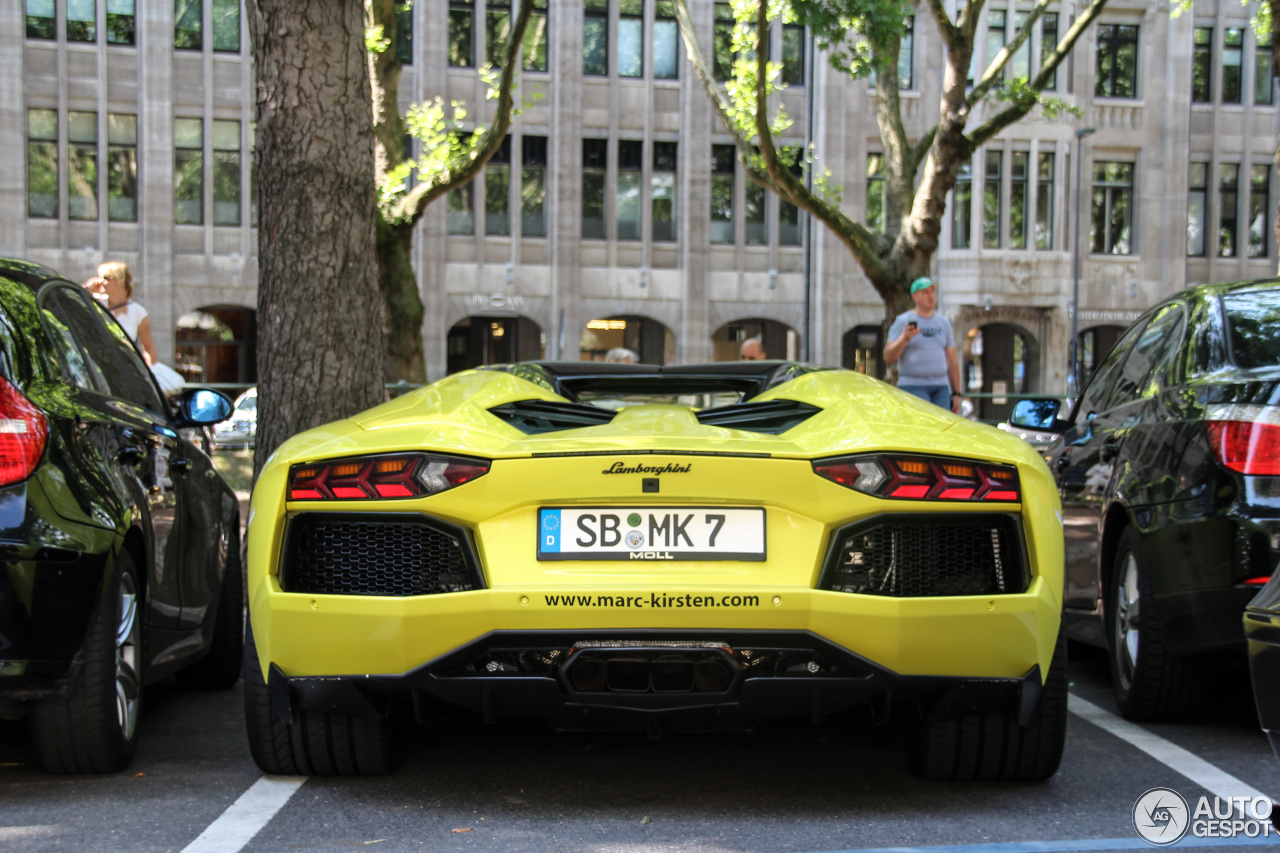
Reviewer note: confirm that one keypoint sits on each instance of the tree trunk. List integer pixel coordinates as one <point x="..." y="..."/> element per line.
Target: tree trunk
<point x="405" y="311"/>
<point x="320" y="317"/>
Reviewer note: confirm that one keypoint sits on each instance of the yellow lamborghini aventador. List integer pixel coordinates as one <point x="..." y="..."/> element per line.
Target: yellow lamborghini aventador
<point x="629" y="546"/>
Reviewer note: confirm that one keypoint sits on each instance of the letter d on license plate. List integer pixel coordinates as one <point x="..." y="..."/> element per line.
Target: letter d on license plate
<point x="651" y="533"/>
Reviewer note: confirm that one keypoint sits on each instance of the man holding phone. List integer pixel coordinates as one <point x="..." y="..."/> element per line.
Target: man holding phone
<point x="923" y="347"/>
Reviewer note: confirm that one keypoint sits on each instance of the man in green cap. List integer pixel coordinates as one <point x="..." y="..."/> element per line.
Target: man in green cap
<point x="923" y="347"/>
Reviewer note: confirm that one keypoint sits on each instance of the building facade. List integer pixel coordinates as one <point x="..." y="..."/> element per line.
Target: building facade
<point x="616" y="213"/>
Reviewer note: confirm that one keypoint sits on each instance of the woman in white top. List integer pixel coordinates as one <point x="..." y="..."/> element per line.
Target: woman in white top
<point x="115" y="283"/>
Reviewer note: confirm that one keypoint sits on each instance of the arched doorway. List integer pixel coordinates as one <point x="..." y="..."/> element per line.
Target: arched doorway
<point x="1094" y="344"/>
<point x="489" y="339"/>
<point x="862" y="349"/>
<point x="779" y="339"/>
<point x="650" y="340"/>
<point x="1000" y="360"/>
<point x="217" y="344"/>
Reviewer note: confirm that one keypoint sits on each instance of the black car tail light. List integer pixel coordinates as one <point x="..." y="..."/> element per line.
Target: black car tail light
<point x="1246" y="438"/>
<point x="407" y="475"/>
<point x="23" y="434"/>
<point x="922" y="478"/>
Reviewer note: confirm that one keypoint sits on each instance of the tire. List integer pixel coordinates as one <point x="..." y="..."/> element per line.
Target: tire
<point x="94" y="728"/>
<point x="992" y="746"/>
<point x="220" y="668"/>
<point x="317" y="744"/>
<point x="1149" y="683"/>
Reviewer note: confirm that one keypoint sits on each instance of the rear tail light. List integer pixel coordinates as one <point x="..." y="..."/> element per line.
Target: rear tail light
<point x="1246" y="438"/>
<point x="922" y="478"/>
<point x="408" y="475"/>
<point x="23" y="434"/>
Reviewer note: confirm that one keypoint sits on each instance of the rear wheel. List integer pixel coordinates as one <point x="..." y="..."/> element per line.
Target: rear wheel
<point x="1149" y="682"/>
<point x="219" y="669"/>
<point x="94" y="728"/>
<point x="993" y="746"/>
<point x="316" y="744"/>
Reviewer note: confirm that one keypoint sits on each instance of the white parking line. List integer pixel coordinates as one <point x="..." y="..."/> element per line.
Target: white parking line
<point x="1215" y="781"/>
<point x="246" y="817"/>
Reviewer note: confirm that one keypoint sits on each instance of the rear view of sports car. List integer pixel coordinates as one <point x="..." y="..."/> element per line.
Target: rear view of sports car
<point x="635" y="547"/>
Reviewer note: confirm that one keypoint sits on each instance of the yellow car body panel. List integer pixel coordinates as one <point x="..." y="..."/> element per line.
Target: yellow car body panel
<point x="311" y="635"/>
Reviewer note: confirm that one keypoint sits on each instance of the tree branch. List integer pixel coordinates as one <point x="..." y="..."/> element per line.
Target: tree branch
<point x="1006" y="53"/>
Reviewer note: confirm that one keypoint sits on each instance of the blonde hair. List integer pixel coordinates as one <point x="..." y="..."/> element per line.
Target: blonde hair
<point x="118" y="270"/>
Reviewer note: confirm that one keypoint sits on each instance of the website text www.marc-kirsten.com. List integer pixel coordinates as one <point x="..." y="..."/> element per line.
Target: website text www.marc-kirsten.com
<point x="653" y="601"/>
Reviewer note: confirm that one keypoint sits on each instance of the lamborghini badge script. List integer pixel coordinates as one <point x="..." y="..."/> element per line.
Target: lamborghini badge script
<point x="669" y="468"/>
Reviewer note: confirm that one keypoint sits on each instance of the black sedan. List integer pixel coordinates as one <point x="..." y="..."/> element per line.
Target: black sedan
<point x="1169" y="473"/>
<point x="120" y="541"/>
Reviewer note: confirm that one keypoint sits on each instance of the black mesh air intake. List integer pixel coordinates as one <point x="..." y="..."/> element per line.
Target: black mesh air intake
<point x="933" y="555"/>
<point x="376" y="554"/>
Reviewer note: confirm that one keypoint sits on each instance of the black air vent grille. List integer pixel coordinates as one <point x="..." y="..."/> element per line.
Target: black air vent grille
<point x="538" y="416"/>
<point x="376" y="554"/>
<point x="937" y="555"/>
<point x="773" y="416"/>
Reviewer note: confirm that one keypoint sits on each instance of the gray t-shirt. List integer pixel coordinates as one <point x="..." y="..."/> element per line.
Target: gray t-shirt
<point x="924" y="359"/>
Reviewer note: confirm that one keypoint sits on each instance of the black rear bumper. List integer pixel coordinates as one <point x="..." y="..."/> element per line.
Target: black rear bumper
<point x="654" y="681"/>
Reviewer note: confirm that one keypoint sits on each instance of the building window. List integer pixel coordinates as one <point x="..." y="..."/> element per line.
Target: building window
<point x="1020" y="63"/>
<point x="1048" y="43"/>
<point x="1232" y="65"/>
<point x="188" y="24"/>
<point x="534" y="47"/>
<point x="497" y="192"/>
<point x="82" y="20"/>
<point x="595" y="162"/>
<point x="226" y="172"/>
<point x="461" y="34"/>
<point x="996" y="36"/>
<point x="793" y="55"/>
<point x="1228" y="204"/>
<point x="722" y="172"/>
<point x="1111" y="217"/>
<point x="630" y="38"/>
<point x="1018" y="195"/>
<point x="788" y="213"/>
<point x="1259" y="209"/>
<point x="188" y="171"/>
<point x="461" y="210"/>
<point x="595" y="38"/>
<point x="666" y="41"/>
<point x="82" y="165"/>
<point x="907" y="55"/>
<point x="875" y="193"/>
<point x="1044" y="200"/>
<point x="1197" y="208"/>
<point x="1202" y="65"/>
<point x="1117" y="61"/>
<point x="991" y="213"/>
<point x="41" y="23"/>
<point x="120" y="22"/>
<point x="662" y="199"/>
<point x="497" y="22"/>
<point x="533" y="186"/>
<point x="722" y="42"/>
<point x="961" y="203"/>
<point x="755" y="220"/>
<point x="122" y="167"/>
<point x="226" y="26"/>
<point x="630" y="169"/>
<point x="42" y="164"/>
<point x="1263" y="82"/>
<point x="404" y="33"/>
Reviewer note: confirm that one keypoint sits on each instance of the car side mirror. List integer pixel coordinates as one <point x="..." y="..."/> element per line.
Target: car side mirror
<point x="203" y="406"/>
<point x="1037" y="413"/>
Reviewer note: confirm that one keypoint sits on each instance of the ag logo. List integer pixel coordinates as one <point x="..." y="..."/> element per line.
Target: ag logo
<point x="1161" y="816"/>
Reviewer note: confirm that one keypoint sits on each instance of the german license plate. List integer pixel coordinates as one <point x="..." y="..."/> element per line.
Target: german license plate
<point x="651" y="533"/>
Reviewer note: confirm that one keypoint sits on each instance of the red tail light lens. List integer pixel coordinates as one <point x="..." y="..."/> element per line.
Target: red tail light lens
<point x="23" y="435"/>
<point x="1246" y="439"/>
<point x="381" y="477"/>
<point x="922" y="478"/>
